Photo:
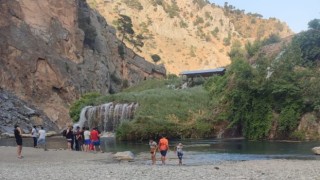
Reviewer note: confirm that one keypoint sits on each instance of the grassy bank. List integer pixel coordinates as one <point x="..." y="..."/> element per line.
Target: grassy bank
<point x="180" y="113"/>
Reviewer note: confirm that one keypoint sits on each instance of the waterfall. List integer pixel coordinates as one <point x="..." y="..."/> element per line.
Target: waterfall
<point x="83" y="118"/>
<point x="107" y="116"/>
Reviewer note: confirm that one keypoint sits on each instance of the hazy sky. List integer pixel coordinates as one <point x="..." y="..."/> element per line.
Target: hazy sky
<point x="296" y="13"/>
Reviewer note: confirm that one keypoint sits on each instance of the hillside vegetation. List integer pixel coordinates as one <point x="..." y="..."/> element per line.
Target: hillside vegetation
<point x="186" y="35"/>
<point x="262" y="96"/>
<point x="275" y="96"/>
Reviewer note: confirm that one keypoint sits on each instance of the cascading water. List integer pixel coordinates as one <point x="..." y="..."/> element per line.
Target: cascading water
<point x="106" y="116"/>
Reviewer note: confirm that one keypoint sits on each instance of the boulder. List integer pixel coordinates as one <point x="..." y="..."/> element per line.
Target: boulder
<point x="124" y="156"/>
<point x="50" y="133"/>
<point x="316" y="150"/>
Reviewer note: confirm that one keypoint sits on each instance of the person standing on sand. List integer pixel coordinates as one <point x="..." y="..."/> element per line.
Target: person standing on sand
<point x="34" y="135"/>
<point x="179" y="151"/>
<point x="153" y="149"/>
<point x="76" y="140"/>
<point x="95" y="139"/>
<point x="163" y="148"/>
<point x="42" y="138"/>
<point x="69" y="137"/>
<point x="86" y="139"/>
<point x="18" y="136"/>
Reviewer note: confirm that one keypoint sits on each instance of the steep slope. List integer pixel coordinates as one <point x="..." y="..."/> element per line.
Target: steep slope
<point x="189" y="34"/>
<point x="52" y="51"/>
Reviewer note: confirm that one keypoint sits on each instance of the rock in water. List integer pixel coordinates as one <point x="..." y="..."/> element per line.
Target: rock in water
<point x="316" y="150"/>
<point x="126" y="155"/>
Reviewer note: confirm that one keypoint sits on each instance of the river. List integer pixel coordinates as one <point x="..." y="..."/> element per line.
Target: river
<point x="206" y="151"/>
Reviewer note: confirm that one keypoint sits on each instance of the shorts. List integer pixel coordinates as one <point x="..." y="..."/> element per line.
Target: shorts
<point x="163" y="153"/>
<point x="69" y="140"/>
<point x="96" y="143"/>
<point x="87" y="141"/>
<point x="41" y="141"/>
<point x="19" y="142"/>
<point x="180" y="154"/>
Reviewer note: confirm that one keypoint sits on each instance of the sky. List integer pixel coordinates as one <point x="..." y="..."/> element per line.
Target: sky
<point x="296" y="13"/>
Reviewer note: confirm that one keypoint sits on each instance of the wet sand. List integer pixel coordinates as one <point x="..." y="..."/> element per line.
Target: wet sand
<point x="63" y="164"/>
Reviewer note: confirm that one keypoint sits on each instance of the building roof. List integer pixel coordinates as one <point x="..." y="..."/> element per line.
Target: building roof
<point x="208" y="72"/>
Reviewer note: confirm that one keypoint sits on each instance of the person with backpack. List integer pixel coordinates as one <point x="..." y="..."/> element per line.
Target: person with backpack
<point x="34" y="135"/>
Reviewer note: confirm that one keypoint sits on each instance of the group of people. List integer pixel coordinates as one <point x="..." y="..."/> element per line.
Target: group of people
<point x="85" y="140"/>
<point x="163" y="147"/>
<point x="82" y="139"/>
<point x="39" y="138"/>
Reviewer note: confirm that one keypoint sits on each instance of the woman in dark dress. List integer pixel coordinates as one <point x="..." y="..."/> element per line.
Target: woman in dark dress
<point x="18" y="136"/>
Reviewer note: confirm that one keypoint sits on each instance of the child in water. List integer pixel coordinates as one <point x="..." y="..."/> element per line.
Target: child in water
<point x="179" y="152"/>
<point x="153" y="149"/>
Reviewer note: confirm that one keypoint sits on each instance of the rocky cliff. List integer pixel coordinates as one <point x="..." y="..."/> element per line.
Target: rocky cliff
<point x="189" y="34"/>
<point x="53" y="51"/>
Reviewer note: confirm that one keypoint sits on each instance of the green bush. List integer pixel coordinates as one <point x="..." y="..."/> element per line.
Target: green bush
<point x="288" y="120"/>
<point x="134" y="4"/>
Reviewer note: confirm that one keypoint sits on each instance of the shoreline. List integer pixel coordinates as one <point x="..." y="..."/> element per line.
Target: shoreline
<point x="63" y="164"/>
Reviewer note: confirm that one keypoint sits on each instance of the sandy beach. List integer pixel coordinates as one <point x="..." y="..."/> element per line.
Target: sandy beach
<point x="63" y="164"/>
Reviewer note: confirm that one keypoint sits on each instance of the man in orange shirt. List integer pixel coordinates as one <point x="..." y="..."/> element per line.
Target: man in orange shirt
<point x="163" y="148"/>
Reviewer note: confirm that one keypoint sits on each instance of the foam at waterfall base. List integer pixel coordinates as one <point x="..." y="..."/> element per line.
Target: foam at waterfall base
<point x="108" y="135"/>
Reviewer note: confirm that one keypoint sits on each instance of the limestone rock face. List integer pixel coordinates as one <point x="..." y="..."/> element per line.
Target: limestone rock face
<point x="47" y="60"/>
<point x="310" y="126"/>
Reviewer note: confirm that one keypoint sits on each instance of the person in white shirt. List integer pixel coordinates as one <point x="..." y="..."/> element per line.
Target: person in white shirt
<point x="42" y="138"/>
<point x="86" y="139"/>
<point x="34" y="135"/>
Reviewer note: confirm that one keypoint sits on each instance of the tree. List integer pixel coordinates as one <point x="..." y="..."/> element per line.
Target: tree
<point x="156" y="58"/>
<point x="124" y="26"/>
<point x="137" y="42"/>
<point x="314" y="24"/>
<point x="309" y="43"/>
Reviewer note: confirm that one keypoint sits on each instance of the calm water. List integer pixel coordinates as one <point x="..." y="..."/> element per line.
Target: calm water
<point x="205" y="151"/>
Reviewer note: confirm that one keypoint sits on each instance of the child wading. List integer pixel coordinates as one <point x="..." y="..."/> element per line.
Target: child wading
<point x="153" y="149"/>
<point x="179" y="152"/>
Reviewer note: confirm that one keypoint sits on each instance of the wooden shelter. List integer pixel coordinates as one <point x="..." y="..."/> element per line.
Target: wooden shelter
<point x="203" y="73"/>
